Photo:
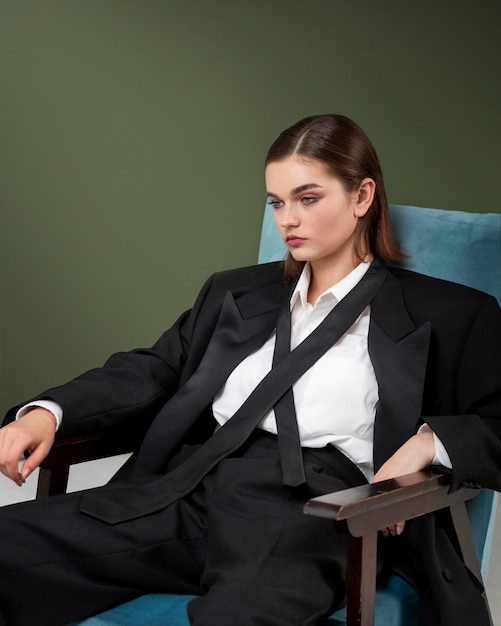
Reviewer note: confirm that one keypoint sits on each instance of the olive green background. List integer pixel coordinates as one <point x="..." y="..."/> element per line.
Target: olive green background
<point x="133" y="135"/>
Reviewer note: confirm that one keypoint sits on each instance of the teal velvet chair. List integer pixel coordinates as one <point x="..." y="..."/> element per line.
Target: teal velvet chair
<point x="458" y="246"/>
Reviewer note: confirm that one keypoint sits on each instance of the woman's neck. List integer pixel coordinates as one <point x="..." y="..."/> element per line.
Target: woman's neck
<point x="324" y="277"/>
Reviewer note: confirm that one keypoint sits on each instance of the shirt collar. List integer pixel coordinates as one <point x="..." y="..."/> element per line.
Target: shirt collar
<point x="338" y="291"/>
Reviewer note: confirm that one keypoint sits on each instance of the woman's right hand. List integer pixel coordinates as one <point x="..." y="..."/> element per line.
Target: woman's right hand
<point x="416" y="454"/>
<point x="34" y="432"/>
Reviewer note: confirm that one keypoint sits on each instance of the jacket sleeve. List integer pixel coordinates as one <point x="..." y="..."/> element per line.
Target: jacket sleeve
<point x="472" y="437"/>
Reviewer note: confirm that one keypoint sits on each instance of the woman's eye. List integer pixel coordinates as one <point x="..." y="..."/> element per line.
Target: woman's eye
<point x="308" y="200"/>
<point x="275" y="204"/>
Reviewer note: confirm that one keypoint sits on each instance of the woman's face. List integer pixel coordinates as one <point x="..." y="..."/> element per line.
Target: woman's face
<point x="314" y="213"/>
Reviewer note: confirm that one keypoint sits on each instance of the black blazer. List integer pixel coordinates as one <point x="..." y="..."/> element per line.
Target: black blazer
<point x="436" y="351"/>
<point x="435" y="348"/>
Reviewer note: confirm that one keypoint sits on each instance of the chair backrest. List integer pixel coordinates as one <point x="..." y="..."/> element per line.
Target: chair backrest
<point x="454" y="245"/>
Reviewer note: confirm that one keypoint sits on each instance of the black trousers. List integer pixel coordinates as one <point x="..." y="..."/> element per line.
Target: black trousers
<point x="240" y="541"/>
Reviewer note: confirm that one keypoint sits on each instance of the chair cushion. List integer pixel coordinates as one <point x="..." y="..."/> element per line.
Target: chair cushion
<point x="437" y="242"/>
<point x="396" y="604"/>
<point x="153" y="609"/>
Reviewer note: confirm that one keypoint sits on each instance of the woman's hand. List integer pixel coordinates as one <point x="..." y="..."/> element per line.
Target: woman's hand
<point x="416" y="454"/>
<point x="35" y="432"/>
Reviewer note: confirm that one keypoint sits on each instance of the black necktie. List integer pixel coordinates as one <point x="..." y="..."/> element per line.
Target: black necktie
<point x="132" y="501"/>
<point x="289" y="445"/>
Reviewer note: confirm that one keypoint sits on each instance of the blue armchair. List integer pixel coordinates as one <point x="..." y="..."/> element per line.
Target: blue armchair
<point x="458" y="246"/>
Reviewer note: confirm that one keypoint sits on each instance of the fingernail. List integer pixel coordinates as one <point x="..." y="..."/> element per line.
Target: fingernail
<point x="25" y="473"/>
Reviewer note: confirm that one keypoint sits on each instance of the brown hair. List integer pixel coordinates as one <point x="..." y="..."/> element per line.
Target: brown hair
<point x="347" y="153"/>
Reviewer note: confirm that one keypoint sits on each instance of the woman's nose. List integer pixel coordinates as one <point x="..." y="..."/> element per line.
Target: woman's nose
<point x="289" y="217"/>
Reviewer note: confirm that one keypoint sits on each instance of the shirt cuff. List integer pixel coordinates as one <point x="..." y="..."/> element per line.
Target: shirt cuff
<point x="51" y="406"/>
<point x="441" y="455"/>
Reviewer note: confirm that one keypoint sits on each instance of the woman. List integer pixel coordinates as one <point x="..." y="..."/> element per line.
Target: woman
<point x="412" y="377"/>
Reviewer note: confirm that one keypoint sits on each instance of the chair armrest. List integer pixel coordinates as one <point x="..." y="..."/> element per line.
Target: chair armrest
<point x="67" y="451"/>
<point x="364" y="509"/>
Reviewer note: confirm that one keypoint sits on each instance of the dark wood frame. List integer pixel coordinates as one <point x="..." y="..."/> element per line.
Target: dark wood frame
<point x="360" y="512"/>
<point x="68" y="451"/>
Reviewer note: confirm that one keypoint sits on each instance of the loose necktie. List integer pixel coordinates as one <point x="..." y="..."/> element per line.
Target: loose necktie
<point x="289" y="444"/>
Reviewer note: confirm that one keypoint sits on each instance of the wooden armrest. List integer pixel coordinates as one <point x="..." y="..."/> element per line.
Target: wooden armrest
<point x="80" y="448"/>
<point x="67" y="451"/>
<point x="364" y="509"/>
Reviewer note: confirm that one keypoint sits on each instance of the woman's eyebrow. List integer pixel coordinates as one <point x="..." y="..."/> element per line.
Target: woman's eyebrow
<point x="297" y="190"/>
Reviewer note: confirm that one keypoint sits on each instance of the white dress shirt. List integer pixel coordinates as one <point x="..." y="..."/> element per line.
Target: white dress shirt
<point x="336" y="398"/>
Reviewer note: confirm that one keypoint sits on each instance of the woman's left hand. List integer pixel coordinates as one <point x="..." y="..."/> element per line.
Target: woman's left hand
<point x="416" y="454"/>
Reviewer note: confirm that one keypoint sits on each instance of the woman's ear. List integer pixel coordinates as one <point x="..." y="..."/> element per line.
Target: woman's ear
<point x="364" y="196"/>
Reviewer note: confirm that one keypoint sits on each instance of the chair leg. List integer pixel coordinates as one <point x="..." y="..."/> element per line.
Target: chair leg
<point x="361" y="581"/>
<point x="52" y="482"/>
<point x="465" y="538"/>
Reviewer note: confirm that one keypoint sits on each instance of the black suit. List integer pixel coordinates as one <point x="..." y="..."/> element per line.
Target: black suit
<point x="436" y="352"/>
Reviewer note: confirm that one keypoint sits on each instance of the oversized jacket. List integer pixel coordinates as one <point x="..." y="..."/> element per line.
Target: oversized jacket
<point x="435" y="347"/>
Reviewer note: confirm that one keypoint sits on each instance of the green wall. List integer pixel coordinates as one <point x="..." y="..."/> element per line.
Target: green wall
<point x="133" y="135"/>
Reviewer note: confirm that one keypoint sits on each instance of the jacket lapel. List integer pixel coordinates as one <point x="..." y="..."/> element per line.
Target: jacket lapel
<point x="244" y="323"/>
<point x="399" y="353"/>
